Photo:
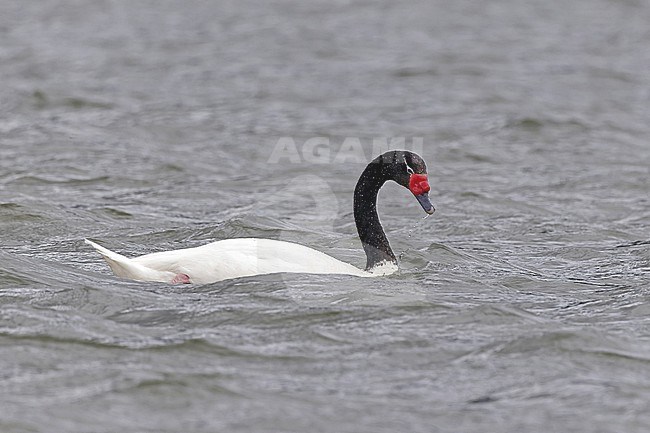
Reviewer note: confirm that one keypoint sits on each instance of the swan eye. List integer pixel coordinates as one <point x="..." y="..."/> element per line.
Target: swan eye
<point x="409" y="170"/>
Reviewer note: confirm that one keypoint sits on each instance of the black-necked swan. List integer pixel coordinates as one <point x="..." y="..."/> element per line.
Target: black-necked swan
<point x="240" y="257"/>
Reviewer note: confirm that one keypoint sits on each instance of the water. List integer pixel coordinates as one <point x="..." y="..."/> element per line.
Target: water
<point x="522" y="304"/>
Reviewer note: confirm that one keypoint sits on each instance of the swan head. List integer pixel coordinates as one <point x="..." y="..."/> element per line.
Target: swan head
<point x="409" y="170"/>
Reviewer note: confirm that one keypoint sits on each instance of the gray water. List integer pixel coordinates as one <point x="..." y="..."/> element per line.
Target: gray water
<point x="522" y="304"/>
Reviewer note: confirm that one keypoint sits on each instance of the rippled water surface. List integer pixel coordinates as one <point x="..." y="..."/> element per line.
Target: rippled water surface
<point x="522" y="304"/>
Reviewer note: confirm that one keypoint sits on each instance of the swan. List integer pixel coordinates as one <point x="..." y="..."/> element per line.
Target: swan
<point x="240" y="257"/>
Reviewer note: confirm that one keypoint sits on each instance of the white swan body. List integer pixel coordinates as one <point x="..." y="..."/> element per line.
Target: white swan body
<point x="233" y="258"/>
<point x="230" y="258"/>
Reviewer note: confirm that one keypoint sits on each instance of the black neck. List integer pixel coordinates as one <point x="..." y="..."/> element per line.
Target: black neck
<point x="371" y="232"/>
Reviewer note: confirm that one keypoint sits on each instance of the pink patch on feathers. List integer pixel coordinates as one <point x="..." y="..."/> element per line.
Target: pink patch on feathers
<point x="181" y="279"/>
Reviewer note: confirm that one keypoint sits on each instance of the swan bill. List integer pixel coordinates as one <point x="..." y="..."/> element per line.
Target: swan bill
<point x="425" y="202"/>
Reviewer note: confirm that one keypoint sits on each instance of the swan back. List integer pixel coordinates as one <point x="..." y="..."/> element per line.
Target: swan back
<point x="229" y="258"/>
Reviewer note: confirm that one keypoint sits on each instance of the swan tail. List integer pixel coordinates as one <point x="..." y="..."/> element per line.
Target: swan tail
<point x="127" y="268"/>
